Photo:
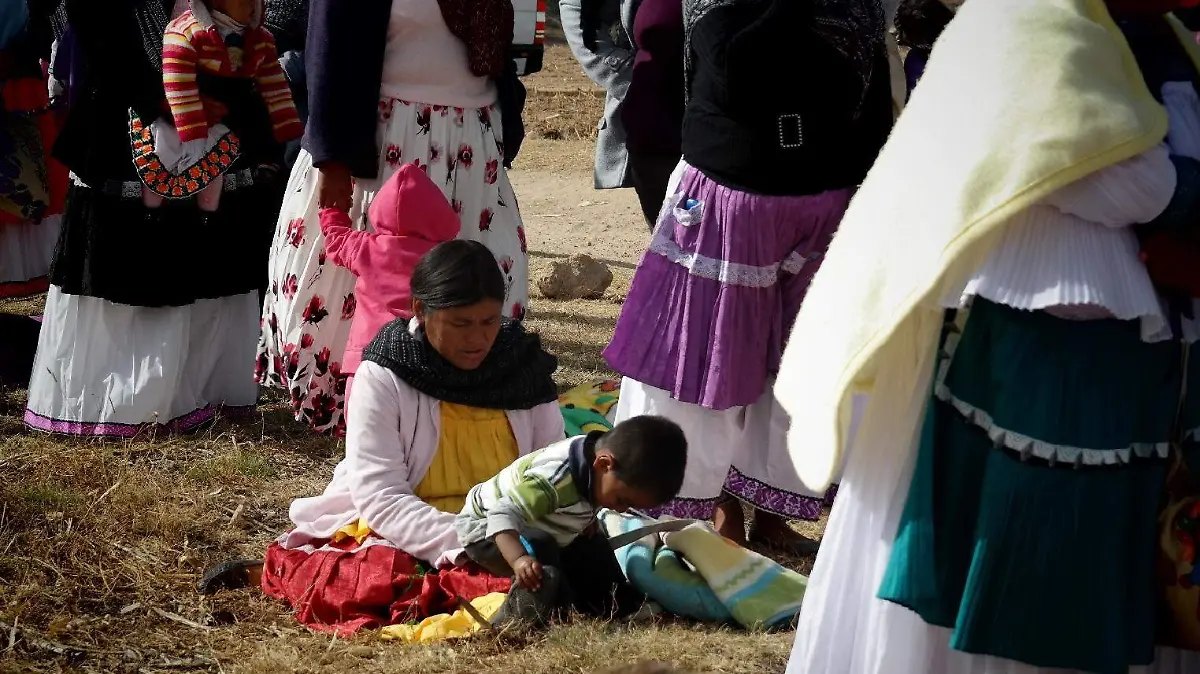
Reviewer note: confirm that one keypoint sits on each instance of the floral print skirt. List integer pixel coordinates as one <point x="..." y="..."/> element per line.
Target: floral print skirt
<point x="310" y="303"/>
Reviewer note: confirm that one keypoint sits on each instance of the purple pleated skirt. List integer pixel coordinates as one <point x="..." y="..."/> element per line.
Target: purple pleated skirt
<point x="717" y="291"/>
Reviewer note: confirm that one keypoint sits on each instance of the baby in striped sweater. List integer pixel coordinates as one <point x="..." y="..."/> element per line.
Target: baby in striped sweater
<point x="535" y="519"/>
<point x="213" y="40"/>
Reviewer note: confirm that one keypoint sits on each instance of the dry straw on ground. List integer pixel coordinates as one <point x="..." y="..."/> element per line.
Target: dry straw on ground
<point x="101" y="543"/>
<point x="563" y="114"/>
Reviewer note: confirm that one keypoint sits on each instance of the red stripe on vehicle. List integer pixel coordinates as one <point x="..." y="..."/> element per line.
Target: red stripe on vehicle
<point x="539" y="28"/>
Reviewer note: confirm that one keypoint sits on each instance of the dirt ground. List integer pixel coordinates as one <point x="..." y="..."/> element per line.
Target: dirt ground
<point x="101" y="543"/>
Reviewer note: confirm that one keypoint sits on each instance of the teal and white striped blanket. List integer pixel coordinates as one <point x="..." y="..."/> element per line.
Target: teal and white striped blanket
<point x="698" y="574"/>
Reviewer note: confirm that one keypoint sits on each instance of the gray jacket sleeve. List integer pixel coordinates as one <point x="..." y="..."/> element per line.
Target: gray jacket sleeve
<point x="606" y="62"/>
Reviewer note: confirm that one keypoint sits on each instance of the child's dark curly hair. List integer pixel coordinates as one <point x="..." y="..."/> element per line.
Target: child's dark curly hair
<point x="920" y="22"/>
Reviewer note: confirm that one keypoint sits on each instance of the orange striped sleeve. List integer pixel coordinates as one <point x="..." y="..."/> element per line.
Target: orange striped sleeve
<point x="179" y="80"/>
<point x="273" y="87"/>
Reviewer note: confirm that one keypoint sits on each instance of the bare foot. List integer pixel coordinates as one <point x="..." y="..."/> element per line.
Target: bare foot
<point x="729" y="520"/>
<point x="773" y="530"/>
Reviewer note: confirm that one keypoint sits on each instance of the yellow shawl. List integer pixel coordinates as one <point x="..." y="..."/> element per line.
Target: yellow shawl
<point x="1020" y="98"/>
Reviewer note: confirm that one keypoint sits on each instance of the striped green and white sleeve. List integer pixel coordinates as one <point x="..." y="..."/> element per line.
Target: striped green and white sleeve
<point x="529" y="493"/>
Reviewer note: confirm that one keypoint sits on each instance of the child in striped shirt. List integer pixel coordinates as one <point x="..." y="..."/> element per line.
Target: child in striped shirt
<point x="219" y="43"/>
<point x="534" y="521"/>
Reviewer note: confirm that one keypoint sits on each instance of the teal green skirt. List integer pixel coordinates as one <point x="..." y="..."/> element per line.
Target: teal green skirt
<point x="1031" y="518"/>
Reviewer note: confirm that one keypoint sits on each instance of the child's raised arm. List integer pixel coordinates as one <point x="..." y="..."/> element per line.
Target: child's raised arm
<point x="343" y="245"/>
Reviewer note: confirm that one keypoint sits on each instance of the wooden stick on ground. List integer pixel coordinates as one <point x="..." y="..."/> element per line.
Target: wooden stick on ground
<point x="180" y="619"/>
<point x="476" y="615"/>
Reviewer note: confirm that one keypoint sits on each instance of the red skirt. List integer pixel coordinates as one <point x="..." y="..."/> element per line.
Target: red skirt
<point x="345" y="587"/>
<point x="28" y="95"/>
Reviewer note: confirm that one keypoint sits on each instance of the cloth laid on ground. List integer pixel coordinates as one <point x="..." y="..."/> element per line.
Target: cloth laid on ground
<point x="446" y="625"/>
<point x="696" y="573"/>
<point x="343" y="582"/>
<point x="759" y="592"/>
<point x="873" y="310"/>
<point x="588" y="407"/>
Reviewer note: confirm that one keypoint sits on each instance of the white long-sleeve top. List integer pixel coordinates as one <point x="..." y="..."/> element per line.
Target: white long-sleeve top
<point x="392" y="433"/>
<point x="1075" y="254"/>
<point x="424" y="62"/>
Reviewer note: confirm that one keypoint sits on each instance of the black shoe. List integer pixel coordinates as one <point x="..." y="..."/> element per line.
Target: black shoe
<point x="232" y="575"/>
<point x="524" y="608"/>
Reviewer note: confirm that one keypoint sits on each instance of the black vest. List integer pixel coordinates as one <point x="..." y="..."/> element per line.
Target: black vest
<point x="774" y="108"/>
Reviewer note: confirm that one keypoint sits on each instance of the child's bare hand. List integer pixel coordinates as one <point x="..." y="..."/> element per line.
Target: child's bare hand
<point x="527" y="573"/>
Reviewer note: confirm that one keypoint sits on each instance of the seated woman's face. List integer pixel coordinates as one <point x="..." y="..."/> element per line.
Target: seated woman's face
<point x="464" y="335"/>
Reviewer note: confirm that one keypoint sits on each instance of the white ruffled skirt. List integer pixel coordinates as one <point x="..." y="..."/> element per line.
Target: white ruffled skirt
<point x="106" y="369"/>
<point x="26" y="251"/>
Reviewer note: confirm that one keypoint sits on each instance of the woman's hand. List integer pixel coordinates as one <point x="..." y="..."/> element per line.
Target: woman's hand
<point x="337" y="187"/>
<point x="527" y="573"/>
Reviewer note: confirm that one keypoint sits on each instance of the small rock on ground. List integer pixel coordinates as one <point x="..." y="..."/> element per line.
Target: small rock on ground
<point x="579" y="277"/>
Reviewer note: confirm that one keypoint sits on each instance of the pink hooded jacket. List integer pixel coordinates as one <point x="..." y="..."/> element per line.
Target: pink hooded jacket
<point x="411" y="216"/>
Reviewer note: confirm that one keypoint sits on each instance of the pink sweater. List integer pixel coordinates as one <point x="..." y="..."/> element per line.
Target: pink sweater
<point x="391" y="438"/>
<point x="411" y="216"/>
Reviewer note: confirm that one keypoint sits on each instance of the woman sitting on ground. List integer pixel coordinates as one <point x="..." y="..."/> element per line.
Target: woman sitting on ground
<point x="443" y="402"/>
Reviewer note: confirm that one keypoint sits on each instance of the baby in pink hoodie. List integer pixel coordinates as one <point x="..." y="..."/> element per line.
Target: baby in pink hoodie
<point x="411" y="216"/>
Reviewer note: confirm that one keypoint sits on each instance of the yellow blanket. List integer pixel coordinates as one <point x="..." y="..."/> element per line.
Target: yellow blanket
<point x="1020" y="98"/>
<point x="448" y="625"/>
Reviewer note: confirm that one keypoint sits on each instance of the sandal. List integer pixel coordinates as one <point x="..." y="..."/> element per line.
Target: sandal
<point x="231" y="575"/>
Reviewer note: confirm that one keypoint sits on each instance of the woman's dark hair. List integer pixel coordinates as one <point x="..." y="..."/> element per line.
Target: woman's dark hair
<point x="457" y="273"/>
<point x="919" y="23"/>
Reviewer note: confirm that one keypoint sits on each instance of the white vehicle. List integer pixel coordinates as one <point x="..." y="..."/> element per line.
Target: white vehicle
<point x="529" y="35"/>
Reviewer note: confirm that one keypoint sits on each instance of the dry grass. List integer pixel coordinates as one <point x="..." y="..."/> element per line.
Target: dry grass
<point x="578" y="330"/>
<point x="556" y="157"/>
<point x="563" y="104"/>
<point x="559" y="68"/>
<point x="563" y="114"/>
<point x="102" y="542"/>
